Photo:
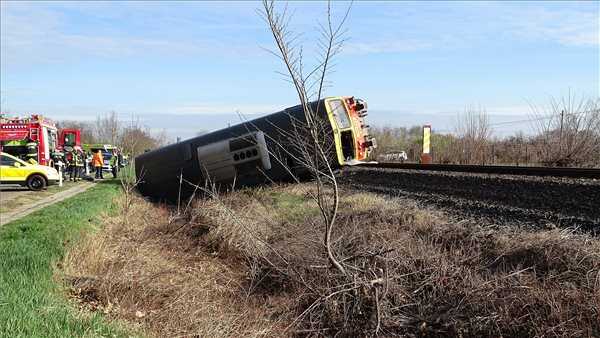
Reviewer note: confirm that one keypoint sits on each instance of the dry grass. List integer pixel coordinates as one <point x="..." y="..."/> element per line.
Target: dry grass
<point x="252" y="263"/>
<point x="160" y="279"/>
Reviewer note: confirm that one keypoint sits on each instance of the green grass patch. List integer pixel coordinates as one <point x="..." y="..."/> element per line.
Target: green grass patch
<point x="294" y="208"/>
<point x="32" y="303"/>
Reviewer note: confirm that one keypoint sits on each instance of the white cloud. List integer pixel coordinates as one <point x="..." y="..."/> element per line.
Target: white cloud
<point x="379" y="47"/>
<point x="33" y="33"/>
<point x="566" y="26"/>
<point x="456" y="25"/>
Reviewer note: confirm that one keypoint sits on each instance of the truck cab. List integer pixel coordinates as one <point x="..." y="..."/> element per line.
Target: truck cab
<point x="32" y="138"/>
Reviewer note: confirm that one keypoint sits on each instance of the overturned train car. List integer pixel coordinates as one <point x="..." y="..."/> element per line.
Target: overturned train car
<point x="254" y="152"/>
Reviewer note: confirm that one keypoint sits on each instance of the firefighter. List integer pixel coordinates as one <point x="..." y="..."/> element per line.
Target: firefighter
<point x="32" y="152"/>
<point x="80" y="163"/>
<point x="97" y="162"/>
<point x="114" y="164"/>
<point x="75" y="164"/>
<point x="71" y="159"/>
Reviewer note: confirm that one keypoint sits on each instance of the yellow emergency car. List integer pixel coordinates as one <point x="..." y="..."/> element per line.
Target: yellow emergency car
<point x="33" y="176"/>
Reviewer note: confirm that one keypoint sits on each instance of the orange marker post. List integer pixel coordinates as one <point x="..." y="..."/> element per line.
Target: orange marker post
<point x="426" y="155"/>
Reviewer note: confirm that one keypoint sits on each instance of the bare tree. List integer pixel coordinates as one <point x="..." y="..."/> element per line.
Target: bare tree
<point x="568" y="131"/>
<point x="473" y="131"/>
<point x="309" y="85"/>
<point x="312" y="140"/>
<point x="135" y="138"/>
<point x="108" y="128"/>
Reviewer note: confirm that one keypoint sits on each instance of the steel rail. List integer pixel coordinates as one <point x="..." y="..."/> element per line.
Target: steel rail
<point x="492" y="169"/>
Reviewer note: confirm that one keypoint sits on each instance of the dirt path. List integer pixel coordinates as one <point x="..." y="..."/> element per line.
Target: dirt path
<point x="27" y="209"/>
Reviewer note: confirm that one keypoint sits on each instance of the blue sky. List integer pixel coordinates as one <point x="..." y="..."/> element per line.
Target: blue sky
<point x="188" y="66"/>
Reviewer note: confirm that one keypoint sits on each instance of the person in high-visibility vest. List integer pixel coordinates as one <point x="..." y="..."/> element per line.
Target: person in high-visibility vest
<point x="32" y="152"/>
<point x="97" y="162"/>
<point x="72" y="165"/>
<point x="75" y="164"/>
<point x="80" y="163"/>
<point x="114" y="164"/>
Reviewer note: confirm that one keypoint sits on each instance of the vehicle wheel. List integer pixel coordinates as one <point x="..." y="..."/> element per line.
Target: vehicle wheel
<point x="36" y="182"/>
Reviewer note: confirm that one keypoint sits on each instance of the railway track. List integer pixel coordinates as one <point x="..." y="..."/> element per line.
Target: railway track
<point x="493" y="169"/>
<point x="536" y="200"/>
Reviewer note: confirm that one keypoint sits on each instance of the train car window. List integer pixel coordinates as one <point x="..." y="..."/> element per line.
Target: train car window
<point x="340" y="113"/>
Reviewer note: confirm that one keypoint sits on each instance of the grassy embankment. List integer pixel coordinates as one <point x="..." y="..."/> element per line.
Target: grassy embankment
<point x="32" y="303"/>
<point x="252" y="264"/>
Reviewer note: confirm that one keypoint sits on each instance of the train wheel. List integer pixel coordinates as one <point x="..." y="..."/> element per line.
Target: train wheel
<point x="36" y="182"/>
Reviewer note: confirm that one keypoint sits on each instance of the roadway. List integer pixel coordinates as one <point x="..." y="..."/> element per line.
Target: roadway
<point x="8" y="192"/>
<point x="31" y="201"/>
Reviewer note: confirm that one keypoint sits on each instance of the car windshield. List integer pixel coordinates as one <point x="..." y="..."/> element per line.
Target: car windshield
<point x="70" y="139"/>
<point x="16" y="150"/>
<point x="10" y="161"/>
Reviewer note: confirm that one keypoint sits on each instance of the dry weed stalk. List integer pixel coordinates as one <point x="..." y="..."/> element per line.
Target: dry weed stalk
<point x="129" y="184"/>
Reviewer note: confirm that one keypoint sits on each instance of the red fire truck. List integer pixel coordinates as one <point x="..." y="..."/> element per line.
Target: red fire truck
<point x="36" y="138"/>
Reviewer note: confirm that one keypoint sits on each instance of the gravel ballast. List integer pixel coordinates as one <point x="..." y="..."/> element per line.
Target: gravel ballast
<point x="503" y="200"/>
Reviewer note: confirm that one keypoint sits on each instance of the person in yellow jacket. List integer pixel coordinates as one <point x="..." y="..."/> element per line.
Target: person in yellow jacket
<point x="114" y="163"/>
<point x="97" y="162"/>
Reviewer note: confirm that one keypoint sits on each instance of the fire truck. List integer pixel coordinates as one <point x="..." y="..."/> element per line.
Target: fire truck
<point x="69" y="140"/>
<point x="37" y="138"/>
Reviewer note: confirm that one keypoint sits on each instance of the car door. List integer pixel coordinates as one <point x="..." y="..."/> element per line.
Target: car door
<point x="11" y="170"/>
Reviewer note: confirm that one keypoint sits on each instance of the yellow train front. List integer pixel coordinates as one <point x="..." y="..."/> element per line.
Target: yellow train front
<point x="271" y="148"/>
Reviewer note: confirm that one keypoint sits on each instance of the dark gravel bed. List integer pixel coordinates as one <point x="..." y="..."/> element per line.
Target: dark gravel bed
<point x="504" y="200"/>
